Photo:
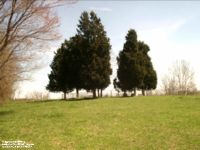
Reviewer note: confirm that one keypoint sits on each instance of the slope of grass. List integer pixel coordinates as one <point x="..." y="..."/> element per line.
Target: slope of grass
<point x="108" y="123"/>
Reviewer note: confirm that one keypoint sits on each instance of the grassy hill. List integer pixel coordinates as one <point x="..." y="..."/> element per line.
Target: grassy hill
<point x="107" y="123"/>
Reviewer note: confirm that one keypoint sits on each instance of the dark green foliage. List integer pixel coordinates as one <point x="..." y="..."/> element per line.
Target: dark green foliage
<point x="95" y="47"/>
<point x="60" y="78"/>
<point x="128" y="72"/>
<point x="76" y="61"/>
<point x="149" y="77"/>
<point x="83" y="62"/>
<point x="135" y="69"/>
<point x="131" y="44"/>
<point x="150" y="80"/>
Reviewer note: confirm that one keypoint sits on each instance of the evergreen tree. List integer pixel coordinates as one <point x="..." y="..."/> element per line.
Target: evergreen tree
<point x="75" y="64"/>
<point x="149" y="75"/>
<point x="128" y="72"/>
<point x="95" y="48"/>
<point x="59" y="78"/>
<point x="135" y="69"/>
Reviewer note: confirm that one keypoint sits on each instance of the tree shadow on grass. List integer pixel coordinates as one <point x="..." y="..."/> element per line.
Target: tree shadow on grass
<point x="83" y="99"/>
<point x="74" y="99"/>
<point x="58" y="100"/>
<point x="6" y="112"/>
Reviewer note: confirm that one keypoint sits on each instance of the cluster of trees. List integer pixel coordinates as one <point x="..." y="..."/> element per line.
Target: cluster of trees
<point x="26" y="27"/>
<point x="83" y="61"/>
<point x="135" y="69"/>
<point x="179" y="79"/>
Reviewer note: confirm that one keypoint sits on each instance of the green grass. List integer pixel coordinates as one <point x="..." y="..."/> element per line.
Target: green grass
<point x="109" y="123"/>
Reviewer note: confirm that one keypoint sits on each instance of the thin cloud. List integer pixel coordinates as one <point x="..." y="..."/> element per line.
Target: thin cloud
<point x="103" y="9"/>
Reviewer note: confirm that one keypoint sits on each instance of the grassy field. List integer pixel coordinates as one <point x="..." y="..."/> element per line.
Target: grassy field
<point x="108" y="123"/>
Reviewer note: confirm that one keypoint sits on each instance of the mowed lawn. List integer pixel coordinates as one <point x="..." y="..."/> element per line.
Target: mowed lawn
<point x="161" y="122"/>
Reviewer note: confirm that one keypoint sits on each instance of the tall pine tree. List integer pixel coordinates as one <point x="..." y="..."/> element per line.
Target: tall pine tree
<point x="95" y="48"/>
<point x="59" y="78"/>
<point x="149" y="81"/>
<point x="128" y="70"/>
<point x="135" y="69"/>
<point x="75" y="64"/>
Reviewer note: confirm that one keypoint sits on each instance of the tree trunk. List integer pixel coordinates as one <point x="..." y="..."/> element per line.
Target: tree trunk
<point x="94" y="93"/>
<point x="64" y="95"/>
<point x="77" y="93"/>
<point x="134" y="94"/>
<point x="143" y="92"/>
<point x="101" y="93"/>
<point x="98" y="92"/>
<point x="125" y="94"/>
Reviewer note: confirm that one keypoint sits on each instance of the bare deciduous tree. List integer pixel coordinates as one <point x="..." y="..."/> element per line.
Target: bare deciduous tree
<point x="36" y="95"/>
<point x="26" y="28"/>
<point x="180" y="79"/>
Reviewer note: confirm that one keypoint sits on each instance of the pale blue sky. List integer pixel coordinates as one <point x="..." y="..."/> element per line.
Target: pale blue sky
<point x="171" y="29"/>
